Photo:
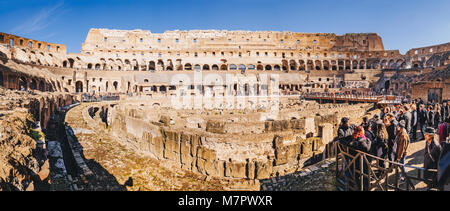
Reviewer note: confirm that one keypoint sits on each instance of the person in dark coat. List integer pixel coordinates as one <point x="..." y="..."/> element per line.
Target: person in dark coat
<point x="430" y="116"/>
<point x="432" y="150"/>
<point x="407" y="117"/>
<point x="391" y="124"/>
<point x="381" y="141"/>
<point x="437" y="116"/>
<point x="422" y="115"/>
<point x="345" y="130"/>
<point x="414" y="123"/>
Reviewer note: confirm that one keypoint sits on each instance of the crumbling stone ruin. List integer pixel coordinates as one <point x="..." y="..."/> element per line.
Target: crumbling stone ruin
<point x="196" y="146"/>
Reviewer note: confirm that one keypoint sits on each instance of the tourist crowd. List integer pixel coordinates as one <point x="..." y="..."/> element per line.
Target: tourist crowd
<point x="387" y="135"/>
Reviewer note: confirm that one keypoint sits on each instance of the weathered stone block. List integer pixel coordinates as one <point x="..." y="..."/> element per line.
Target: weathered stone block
<point x="263" y="169"/>
<point x="215" y="127"/>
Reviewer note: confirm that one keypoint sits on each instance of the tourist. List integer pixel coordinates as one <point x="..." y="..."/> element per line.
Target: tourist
<point x="362" y="143"/>
<point x="422" y="115"/>
<point x="407" y="117"/>
<point x="444" y="111"/>
<point x="413" y="123"/>
<point x="444" y="131"/>
<point x="402" y="140"/>
<point x="432" y="150"/>
<point x="430" y="116"/>
<point x="345" y="129"/>
<point x="437" y="115"/>
<point x="381" y="141"/>
<point x="391" y="126"/>
<point x="448" y="109"/>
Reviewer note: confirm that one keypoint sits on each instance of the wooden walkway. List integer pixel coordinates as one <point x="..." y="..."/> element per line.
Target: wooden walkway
<point x="359" y="171"/>
<point x="324" y="98"/>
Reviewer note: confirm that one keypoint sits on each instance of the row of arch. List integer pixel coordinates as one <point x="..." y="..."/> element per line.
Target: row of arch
<point x="285" y="65"/>
<point x="81" y="87"/>
<point x="24" y="83"/>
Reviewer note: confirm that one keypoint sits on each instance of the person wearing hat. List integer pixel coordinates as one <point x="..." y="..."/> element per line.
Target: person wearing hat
<point x="432" y="150"/>
<point x="402" y="140"/>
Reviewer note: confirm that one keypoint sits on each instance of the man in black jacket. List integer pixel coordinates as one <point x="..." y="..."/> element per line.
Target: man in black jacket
<point x="432" y="150"/>
<point x="392" y="145"/>
<point x="422" y="116"/>
<point x="430" y="116"/>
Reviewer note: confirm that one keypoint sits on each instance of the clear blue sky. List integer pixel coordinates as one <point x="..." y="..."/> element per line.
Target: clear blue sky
<point x="403" y="24"/>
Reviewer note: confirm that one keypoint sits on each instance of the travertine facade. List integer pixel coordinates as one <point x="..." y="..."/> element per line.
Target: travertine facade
<point x="306" y="62"/>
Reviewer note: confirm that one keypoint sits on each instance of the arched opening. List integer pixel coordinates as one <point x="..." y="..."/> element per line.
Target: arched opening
<point x="292" y="65"/>
<point x="71" y="62"/>
<point x="233" y="67"/>
<point x="347" y="64"/>
<point x="115" y="85"/>
<point x="162" y="89"/>
<point x="318" y="65"/>
<point x="205" y="67"/>
<point x="64" y="63"/>
<point x="33" y="84"/>
<point x="223" y="67"/>
<point x="355" y="64"/>
<point x="387" y="85"/>
<point x="362" y="64"/>
<point x="197" y="67"/>
<point x="215" y="67"/>
<point x="391" y="64"/>
<point x="23" y="84"/>
<point x="89" y="66"/>
<point x="277" y="67"/>
<point x="301" y="65"/>
<point x="1" y="79"/>
<point x="242" y="67"/>
<point x="383" y="64"/>
<point x="310" y="65"/>
<point x="188" y="66"/>
<point x="341" y="65"/>
<point x="97" y="66"/>
<point x="326" y="65"/>
<point x="160" y="65"/>
<point x="333" y="65"/>
<point x="79" y="86"/>
<point x="251" y="67"/>
<point x="260" y="67"/>
<point x="151" y="66"/>
<point x="268" y="67"/>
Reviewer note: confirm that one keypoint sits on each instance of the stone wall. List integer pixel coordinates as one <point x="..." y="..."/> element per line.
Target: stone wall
<point x="291" y="143"/>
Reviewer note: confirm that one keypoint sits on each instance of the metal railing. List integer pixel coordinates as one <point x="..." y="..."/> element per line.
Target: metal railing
<point x="360" y="171"/>
<point x="100" y="98"/>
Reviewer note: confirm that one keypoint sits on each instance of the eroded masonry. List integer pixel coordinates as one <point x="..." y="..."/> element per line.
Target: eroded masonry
<point x="244" y="122"/>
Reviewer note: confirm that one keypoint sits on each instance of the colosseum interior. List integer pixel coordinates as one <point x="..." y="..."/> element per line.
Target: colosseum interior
<point x="192" y="110"/>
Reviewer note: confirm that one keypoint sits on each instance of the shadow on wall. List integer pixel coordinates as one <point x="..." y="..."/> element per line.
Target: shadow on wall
<point x="100" y="179"/>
